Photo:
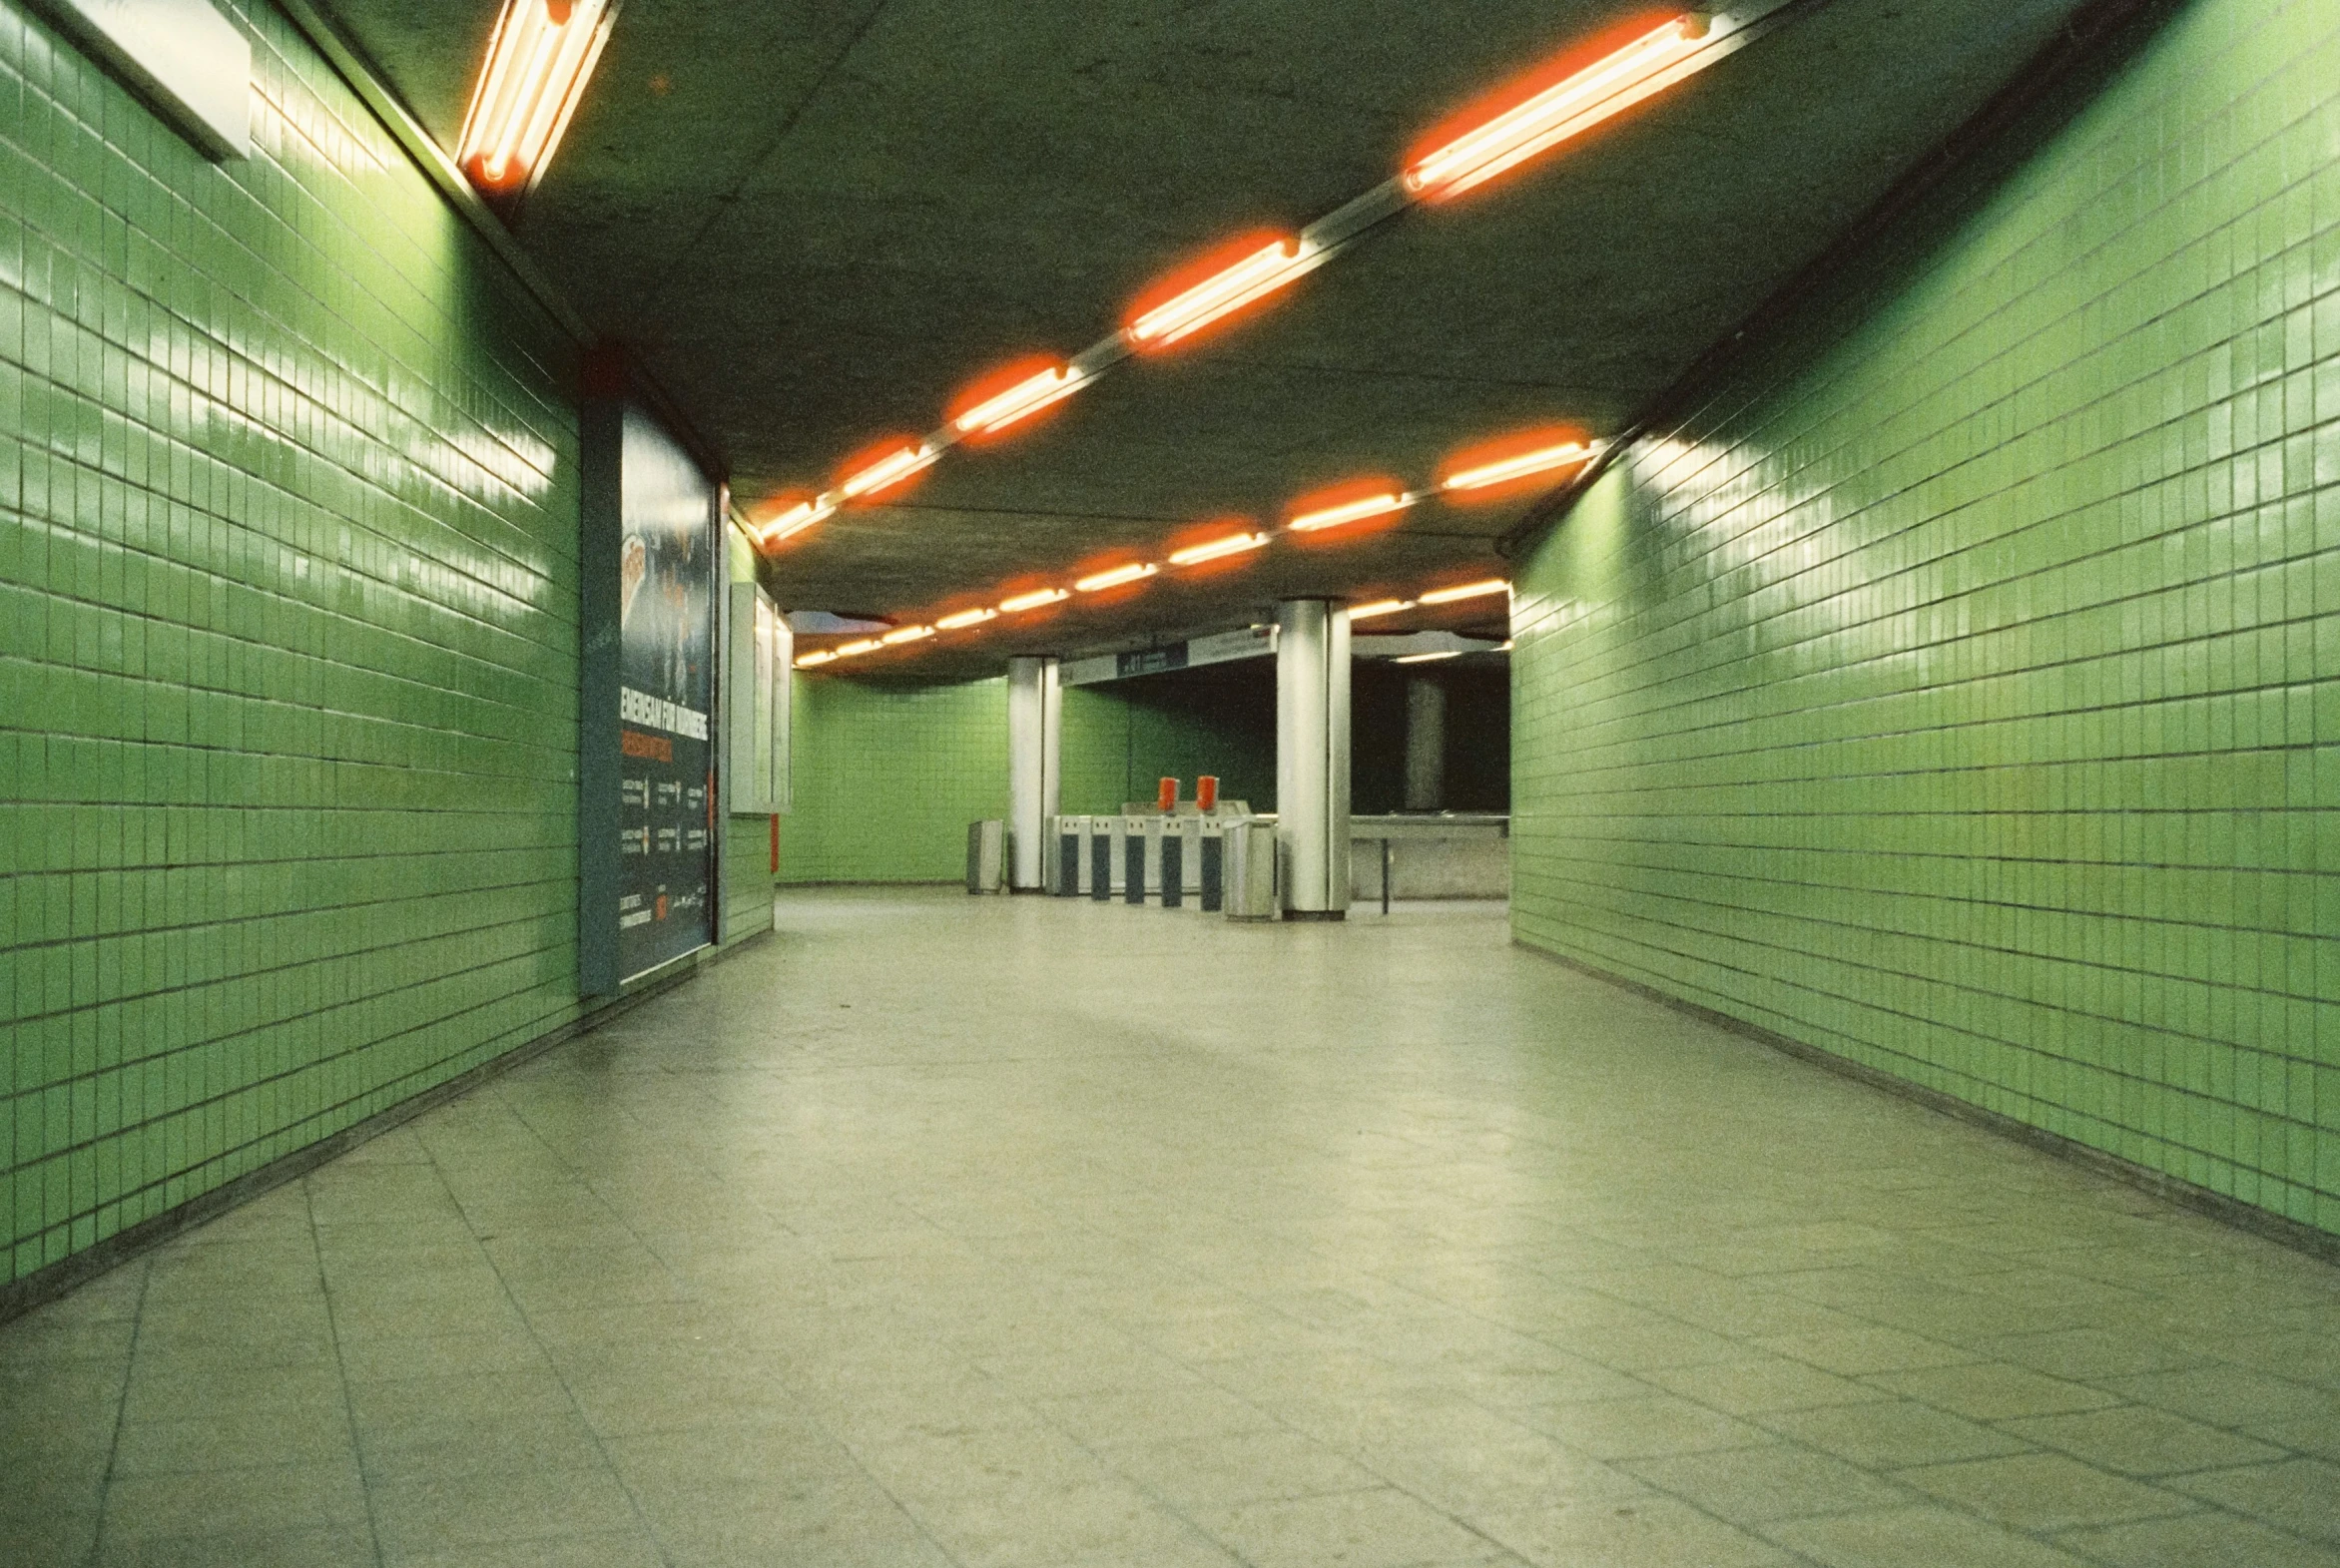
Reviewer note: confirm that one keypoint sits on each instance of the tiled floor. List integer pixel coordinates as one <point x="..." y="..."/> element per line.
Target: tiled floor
<point x="983" y="1232"/>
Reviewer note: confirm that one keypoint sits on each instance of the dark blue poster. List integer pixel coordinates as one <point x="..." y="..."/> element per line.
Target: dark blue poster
<point x="665" y="620"/>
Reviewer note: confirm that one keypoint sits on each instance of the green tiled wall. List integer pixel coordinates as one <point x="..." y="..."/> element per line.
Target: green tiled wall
<point x="288" y="640"/>
<point x="1122" y="738"/>
<point x="1957" y="690"/>
<point x="887" y="779"/>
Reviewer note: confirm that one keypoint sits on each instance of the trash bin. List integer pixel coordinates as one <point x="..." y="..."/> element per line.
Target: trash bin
<point x="1250" y="892"/>
<point x="986" y="855"/>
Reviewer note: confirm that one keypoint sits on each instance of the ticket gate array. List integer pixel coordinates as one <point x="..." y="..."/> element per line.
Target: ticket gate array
<point x="1174" y="859"/>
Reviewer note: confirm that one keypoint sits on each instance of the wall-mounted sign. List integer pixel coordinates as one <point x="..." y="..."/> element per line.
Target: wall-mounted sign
<point x="1252" y="642"/>
<point x="182" y="56"/>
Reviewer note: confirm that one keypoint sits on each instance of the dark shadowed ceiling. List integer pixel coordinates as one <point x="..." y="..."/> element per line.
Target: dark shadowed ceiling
<point x="816" y="221"/>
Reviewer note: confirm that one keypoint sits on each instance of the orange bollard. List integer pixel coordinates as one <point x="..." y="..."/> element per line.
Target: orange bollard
<point x="1206" y="792"/>
<point x="1167" y="799"/>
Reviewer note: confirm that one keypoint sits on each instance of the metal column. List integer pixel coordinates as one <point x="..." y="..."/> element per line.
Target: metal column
<point x="1425" y="744"/>
<point x="1035" y="707"/>
<point x="1312" y="758"/>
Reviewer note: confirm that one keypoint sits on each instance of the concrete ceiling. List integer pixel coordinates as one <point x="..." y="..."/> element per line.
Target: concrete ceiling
<point x="817" y="219"/>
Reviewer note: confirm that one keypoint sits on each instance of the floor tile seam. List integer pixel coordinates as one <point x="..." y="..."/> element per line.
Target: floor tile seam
<point x="121" y="1415"/>
<point x="1204" y="1533"/>
<point x="576" y="1409"/>
<point x="2194" y="1505"/>
<point x="341" y="1372"/>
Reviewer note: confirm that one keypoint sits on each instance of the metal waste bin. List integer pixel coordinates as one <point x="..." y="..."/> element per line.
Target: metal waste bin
<point x="986" y="855"/>
<point x="1250" y="870"/>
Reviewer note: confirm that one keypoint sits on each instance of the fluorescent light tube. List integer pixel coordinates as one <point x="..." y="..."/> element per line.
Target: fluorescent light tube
<point x="1494" y="584"/>
<point x="1218" y="549"/>
<point x="1504" y="470"/>
<point x="1445" y="653"/>
<point x="793" y="521"/>
<point x="889" y="471"/>
<point x="905" y="633"/>
<point x="865" y="645"/>
<point x="820" y="656"/>
<point x="1351" y="512"/>
<point x="1025" y="399"/>
<point x="537" y="64"/>
<point x="1574" y="103"/>
<point x="1033" y="600"/>
<point x="1136" y="571"/>
<point x="963" y="619"/>
<point x="1365" y="612"/>
<point x="1257" y="275"/>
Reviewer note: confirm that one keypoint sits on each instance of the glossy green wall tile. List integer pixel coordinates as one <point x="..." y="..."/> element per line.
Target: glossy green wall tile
<point x="887" y="779"/>
<point x="1957" y="689"/>
<point x="288" y="639"/>
<point x="1122" y="738"/>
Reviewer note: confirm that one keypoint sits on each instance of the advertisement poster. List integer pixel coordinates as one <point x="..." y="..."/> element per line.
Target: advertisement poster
<point x="667" y="574"/>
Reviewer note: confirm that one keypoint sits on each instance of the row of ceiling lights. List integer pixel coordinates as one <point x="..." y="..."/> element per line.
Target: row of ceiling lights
<point x="1494" y="469"/>
<point x="1571" y="95"/>
<point x="1121" y="577"/>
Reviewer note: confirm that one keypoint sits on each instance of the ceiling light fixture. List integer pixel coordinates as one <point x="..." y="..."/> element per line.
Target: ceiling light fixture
<point x="1019" y="401"/>
<point x="1506" y="469"/>
<point x="963" y="619"/>
<point x="1526" y="126"/>
<point x="1365" y="612"/>
<point x="1494" y="584"/>
<point x="889" y="471"/>
<point x="1260" y="270"/>
<point x="1352" y="511"/>
<point x="1033" y="600"/>
<point x="794" y="520"/>
<point x="1444" y="653"/>
<point x="537" y="61"/>
<point x="1115" y="577"/>
<point x="868" y="645"/>
<point x="817" y="657"/>
<point x="905" y="633"/>
<point x="1218" y="549"/>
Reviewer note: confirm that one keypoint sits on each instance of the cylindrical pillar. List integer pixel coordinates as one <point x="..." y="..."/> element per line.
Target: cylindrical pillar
<point x="1034" y="711"/>
<point x="1425" y="744"/>
<point x="1312" y="758"/>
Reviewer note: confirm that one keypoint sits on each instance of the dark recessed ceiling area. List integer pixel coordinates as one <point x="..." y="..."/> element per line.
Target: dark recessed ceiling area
<point x="816" y="223"/>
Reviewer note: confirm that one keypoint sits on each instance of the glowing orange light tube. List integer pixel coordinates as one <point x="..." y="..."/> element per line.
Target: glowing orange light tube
<point x="1019" y="401"/>
<point x="794" y="520"/>
<point x="963" y="619"/>
<point x="1504" y="471"/>
<point x="1264" y="268"/>
<point x="1031" y="601"/>
<point x="1351" y="512"/>
<point x="889" y="471"/>
<point x="905" y="633"/>
<point x="817" y="657"/>
<point x="1494" y="584"/>
<point x="867" y="644"/>
<point x="1365" y="612"/>
<point x="1509" y="137"/>
<point x="1218" y="549"/>
<point x="537" y="63"/>
<point x="1136" y="571"/>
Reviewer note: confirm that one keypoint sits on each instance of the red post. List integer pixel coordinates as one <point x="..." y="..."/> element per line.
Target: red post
<point x="1206" y="790"/>
<point x="1168" y="798"/>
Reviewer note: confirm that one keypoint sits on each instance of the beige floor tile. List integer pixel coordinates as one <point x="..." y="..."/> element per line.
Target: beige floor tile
<point x="1751" y="1485"/>
<point x="2137" y="1439"/>
<point x="2198" y="1540"/>
<point x="1227" y="1471"/>
<point x="1883" y="1436"/>
<point x="1644" y="1427"/>
<point x="350" y="1547"/>
<point x="1634" y="1534"/>
<point x="2299" y="1495"/>
<point x="1041" y="1272"/>
<point x="1994" y="1391"/>
<point x="1914" y="1537"/>
<point x="1378" y="1528"/>
<point x="2042" y="1492"/>
<point x="1770" y="1383"/>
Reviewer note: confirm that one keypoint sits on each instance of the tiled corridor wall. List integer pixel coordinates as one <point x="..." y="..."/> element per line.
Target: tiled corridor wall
<point x="288" y="639"/>
<point x="887" y="779"/>
<point x="1957" y="689"/>
<point x="1122" y="739"/>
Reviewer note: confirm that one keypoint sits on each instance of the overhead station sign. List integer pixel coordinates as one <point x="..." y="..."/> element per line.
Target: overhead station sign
<point x="1253" y="641"/>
